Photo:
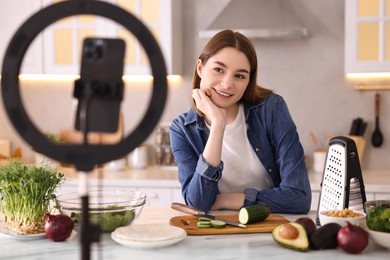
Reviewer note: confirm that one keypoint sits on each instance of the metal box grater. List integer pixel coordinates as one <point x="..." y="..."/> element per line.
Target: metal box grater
<point x="342" y="181"/>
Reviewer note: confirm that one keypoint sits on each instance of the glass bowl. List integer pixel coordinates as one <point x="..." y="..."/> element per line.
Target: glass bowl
<point x="373" y="203"/>
<point x="110" y="208"/>
<point x="325" y="219"/>
<point x="374" y="225"/>
<point x="380" y="238"/>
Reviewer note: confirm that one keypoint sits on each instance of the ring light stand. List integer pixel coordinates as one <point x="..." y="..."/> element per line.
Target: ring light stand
<point x="84" y="156"/>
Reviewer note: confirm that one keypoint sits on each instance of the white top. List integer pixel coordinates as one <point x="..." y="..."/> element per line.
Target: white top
<point x="242" y="168"/>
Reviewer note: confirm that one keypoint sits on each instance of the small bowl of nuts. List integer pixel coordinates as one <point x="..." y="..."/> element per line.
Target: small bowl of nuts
<point x="342" y="216"/>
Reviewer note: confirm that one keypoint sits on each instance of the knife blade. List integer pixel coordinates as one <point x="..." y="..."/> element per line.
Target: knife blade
<point x="196" y="212"/>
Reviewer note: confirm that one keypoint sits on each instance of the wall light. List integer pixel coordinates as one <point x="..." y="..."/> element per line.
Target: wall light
<point x="373" y="81"/>
<point x="71" y="77"/>
<point x="370" y="75"/>
<point x="48" y="77"/>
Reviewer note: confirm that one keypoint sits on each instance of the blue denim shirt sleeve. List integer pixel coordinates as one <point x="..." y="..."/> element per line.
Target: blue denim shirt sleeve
<point x="207" y="171"/>
<point x="199" y="180"/>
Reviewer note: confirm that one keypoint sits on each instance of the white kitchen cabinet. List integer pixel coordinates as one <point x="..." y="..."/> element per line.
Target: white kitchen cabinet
<point x="367" y="36"/>
<point x="63" y="39"/>
<point x="163" y="19"/>
<point x="176" y="195"/>
<point x="56" y="50"/>
<point x="381" y="196"/>
<point x="157" y="195"/>
<point x="369" y="196"/>
<point x="163" y="196"/>
<point x="376" y="183"/>
<point x="162" y="185"/>
<point x="315" y="196"/>
<point x="13" y="14"/>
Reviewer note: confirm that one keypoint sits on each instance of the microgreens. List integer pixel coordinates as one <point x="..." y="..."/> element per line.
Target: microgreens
<point x="25" y="195"/>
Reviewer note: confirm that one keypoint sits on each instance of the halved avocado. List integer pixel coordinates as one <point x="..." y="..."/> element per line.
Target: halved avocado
<point x="291" y="235"/>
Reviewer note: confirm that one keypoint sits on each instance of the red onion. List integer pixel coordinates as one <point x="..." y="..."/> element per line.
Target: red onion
<point x="58" y="227"/>
<point x="352" y="239"/>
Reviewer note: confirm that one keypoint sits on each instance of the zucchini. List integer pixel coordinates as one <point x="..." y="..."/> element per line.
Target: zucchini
<point x="217" y="223"/>
<point x="206" y="223"/>
<point x="203" y="224"/>
<point x="254" y="213"/>
<point x="201" y="219"/>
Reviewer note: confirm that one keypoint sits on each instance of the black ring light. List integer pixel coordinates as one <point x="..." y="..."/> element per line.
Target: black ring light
<point x="84" y="156"/>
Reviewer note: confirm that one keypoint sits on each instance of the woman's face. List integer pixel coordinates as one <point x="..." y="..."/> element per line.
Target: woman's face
<point x="225" y="76"/>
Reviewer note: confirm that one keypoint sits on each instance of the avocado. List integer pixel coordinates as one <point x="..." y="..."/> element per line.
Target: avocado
<point x="291" y="235"/>
<point x="308" y="224"/>
<point x="325" y="237"/>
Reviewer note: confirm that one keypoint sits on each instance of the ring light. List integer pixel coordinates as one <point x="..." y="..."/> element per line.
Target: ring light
<point x="84" y="156"/>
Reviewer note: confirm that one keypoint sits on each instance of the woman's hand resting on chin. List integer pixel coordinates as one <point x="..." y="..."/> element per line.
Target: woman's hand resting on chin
<point x="204" y="103"/>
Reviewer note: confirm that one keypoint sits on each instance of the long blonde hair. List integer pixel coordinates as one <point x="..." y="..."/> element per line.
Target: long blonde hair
<point x="227" y="38"/>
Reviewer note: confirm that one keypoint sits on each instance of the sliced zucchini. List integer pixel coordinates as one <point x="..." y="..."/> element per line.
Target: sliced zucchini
<point x="254" y="213"/>
<point x="217" y="223"/>
<point x="203" y="224"/>
<point x="206" y="223"/>
<point x="200" y="219"/>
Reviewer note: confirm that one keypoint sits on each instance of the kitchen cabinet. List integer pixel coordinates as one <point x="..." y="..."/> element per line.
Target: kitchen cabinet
<point x="161" y="186"/>
<point x="13" y="14"/>
<point x="156" y="196"/>
<point x="367" y="36"/>
<point x="380" y="196"/>
<point x="63" y="39"/>
<point x="56" y="50"/>
<point x="376" y="183"/>
<point x="161" y="196"/>
<point x="369" y="196"/>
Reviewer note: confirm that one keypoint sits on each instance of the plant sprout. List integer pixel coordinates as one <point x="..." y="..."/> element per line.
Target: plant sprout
<point x="25" y="195"/>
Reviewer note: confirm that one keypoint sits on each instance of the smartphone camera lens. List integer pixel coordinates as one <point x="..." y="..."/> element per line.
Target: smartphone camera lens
<point x="94" y="50"/>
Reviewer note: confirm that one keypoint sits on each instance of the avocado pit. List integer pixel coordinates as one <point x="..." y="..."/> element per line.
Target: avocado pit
<point x="288" y="231"/>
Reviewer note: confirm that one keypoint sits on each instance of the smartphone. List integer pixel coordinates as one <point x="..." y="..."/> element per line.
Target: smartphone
<point x="102" y="64"/>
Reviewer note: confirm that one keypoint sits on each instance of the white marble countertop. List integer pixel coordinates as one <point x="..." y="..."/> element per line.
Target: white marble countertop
<point x="240" y="246"/>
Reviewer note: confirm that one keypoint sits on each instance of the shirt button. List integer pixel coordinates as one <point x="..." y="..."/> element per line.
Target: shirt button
<point x="257" y="149"/>
<point x="269" y="170"/>
<point x="215" y="176"/>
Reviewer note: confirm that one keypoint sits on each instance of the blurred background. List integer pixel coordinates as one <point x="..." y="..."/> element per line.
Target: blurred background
<point x="308" y="70"/>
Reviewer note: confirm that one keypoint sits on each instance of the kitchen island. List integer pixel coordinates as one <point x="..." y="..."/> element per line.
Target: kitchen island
<point x="239" y="246"/>
<point x="162" y="185"/>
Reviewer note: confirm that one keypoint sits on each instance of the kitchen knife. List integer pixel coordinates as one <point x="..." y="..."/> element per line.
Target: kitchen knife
<point x="194" y="211"/>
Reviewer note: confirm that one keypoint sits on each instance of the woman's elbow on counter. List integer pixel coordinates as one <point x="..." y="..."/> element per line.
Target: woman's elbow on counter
<point x="306" y="203"/>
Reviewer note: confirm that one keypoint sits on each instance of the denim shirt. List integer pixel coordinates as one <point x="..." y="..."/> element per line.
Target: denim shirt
<point x="274" y="138"/>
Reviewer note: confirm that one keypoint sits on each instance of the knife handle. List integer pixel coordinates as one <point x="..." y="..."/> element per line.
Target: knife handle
<point x="187" y="209"/>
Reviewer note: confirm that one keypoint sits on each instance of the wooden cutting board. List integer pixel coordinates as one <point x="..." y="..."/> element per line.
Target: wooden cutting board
<point x="188" y="223"/>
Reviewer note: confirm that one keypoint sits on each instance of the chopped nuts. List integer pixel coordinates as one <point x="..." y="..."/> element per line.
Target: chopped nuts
<point x="345" y="213"/>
